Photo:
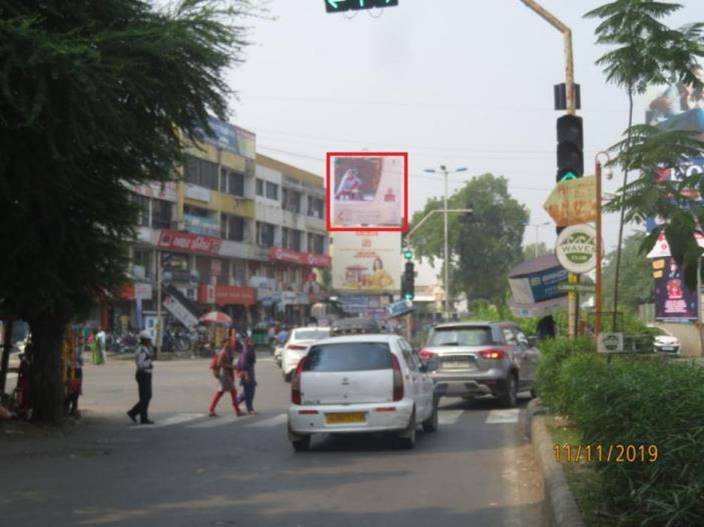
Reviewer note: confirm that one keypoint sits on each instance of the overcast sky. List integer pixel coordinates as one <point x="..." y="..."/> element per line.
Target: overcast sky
<point x="465" y="83"/>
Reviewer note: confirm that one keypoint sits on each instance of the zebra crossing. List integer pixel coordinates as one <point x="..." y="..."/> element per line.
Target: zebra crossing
<point x="199" y="421"/>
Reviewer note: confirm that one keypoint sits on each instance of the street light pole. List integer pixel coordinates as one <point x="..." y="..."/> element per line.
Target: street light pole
<point x="446" y="244"/>
<point x="598" y="292"/>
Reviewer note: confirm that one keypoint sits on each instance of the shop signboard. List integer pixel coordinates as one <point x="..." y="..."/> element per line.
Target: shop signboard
<point x="166" y="191"/>
<point x="368" y="262"/>
<point x="235" y="295"/>
<point x="287" y="255"/>
<point x="230" y="137"/>
<point x="188" y="242"/>
<point x="143" y="290"/>
<point x="576" y="248"/>
<point x="180" y="312"/>
<point x="198" y="193"/>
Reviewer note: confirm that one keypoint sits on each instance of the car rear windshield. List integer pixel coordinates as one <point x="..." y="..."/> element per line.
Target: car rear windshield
<point x="311" y="334"/>
<point x="466" y="336"/>
<point x="349" y="356"/>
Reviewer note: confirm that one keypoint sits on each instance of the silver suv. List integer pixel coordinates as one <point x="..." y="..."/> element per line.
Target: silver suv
<point x="469" y="359"/>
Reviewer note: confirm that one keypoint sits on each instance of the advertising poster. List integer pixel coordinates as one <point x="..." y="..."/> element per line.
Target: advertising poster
<point x="672" y="298"/>
<point x="230" y="137"/>
<point x="367" y="192"/>
<point x="535" y="287"/>
<point x="677" y="106"/>
<point x="368" y="262"/>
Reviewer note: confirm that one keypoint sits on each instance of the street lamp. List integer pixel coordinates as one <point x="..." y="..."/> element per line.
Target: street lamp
<point x="537" y="228"/>
<point x="445" y="172"/>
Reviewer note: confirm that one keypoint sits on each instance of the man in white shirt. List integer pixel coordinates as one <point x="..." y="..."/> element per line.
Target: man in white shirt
<point x="143" y="360"/>
<point x="102" y="344"/>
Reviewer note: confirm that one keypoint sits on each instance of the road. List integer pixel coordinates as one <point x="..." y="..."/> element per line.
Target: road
<point x="192" y="470"/>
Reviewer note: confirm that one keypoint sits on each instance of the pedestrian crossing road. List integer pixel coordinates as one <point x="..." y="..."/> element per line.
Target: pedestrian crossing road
<point x="447" y="417"/>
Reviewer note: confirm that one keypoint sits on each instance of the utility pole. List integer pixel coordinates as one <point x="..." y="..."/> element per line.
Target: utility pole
<point x="446" y="282"/>
<point x="158" y="304"/>
<point x="573" y="307"/>
<point x="599" y="281"/>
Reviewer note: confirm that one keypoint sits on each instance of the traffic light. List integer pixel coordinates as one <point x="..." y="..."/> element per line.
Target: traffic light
<point x="570" y="143"/>
<point x="408" y="282"/>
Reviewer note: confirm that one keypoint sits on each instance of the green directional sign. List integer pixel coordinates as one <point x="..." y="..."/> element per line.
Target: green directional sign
<point x="576" y="288"/>
<point x="337" y="6"/>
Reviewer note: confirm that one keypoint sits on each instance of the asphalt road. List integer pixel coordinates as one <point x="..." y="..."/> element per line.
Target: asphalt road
<point x="191" y="470"/>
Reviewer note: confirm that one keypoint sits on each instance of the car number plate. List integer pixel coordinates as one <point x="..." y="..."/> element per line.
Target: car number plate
<point x="455" y="364"/>
<point x="668" y="348"/>
<point x="345" y="417"/>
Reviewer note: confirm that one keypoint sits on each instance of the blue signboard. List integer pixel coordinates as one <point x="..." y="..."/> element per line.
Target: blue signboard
<point x="545" y="284"/>
<point x="230" y="137"/>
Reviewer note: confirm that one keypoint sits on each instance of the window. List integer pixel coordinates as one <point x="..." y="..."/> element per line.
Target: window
<point x="291" y="200"/>
<point x="509" y="337"/>
<point x="357" y="356"/>
<point x="161" y="214"/>
<point x="265" y="234"/>
<point x="521" y="338"/>
<point x="201" y="172"/>
<point x="232" y="182"/>
<point x="316" y="243"/>
<point x="272" y="191"/>
<point x="143" y="214"/>
<point x="260" y="187"/>
<point x="232" y="228"/>
<point x="315" y="207"/>
<point x="461" y="336"/>
<point x="291" y="239"/>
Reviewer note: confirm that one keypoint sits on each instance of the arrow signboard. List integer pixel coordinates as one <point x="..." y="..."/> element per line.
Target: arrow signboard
<point x="337" y="6"/>
<point x="572" y="201"/>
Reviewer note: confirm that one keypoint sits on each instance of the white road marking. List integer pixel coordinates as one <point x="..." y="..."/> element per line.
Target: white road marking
<point x="171" y="421"/>
<point x="218" y="421"/>
<point x="449" y="417"/>
<point x="272" y="421"/>
<point x="502" y="416"/>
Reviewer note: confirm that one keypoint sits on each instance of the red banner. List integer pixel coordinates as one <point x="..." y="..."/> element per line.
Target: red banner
<point x="287" y="255"/>
<point x="189" y="242"/>
<point x="232" y="294"/>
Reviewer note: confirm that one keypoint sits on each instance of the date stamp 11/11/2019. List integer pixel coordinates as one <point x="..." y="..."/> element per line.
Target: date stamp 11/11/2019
<point x="596" y="453"/>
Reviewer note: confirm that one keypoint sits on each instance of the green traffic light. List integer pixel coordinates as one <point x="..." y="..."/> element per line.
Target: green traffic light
<point x="408" y="254"/>
<point x="408" y="296"/>
<point x="569" y="176"/>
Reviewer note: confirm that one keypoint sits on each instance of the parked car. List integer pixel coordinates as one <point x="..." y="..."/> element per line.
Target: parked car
<point x="664" y="341"/>
<point x="481" y="358"/>
<point x="297" y="346"/>
<point x="361" y="384"/>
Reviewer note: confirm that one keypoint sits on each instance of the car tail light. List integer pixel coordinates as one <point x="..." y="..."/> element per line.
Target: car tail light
<point x="295" y="347"/>
<point x="496" y="354"/>
<point x="398" y="378"/>
<point x="296" y="382"/>
<point x="425" y="354"/>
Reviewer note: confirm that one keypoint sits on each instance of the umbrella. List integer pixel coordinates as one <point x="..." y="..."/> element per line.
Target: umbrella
<point x="216" y="317"/>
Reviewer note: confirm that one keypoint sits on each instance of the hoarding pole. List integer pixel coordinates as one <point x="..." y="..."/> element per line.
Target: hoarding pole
<point x="599" y="249"/>
<point x="157" y="346"/>
<point x="573" y="306"/>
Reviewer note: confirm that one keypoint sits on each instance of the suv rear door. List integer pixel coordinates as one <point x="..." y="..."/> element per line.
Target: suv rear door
<point x="347" y="373"/>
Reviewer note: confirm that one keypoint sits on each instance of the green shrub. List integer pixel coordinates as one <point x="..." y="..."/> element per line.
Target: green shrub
<point x="638" y="402"/>
<point x="553" y="353"/>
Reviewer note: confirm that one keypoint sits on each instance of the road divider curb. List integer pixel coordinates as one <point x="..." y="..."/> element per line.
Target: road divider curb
<point x="559" y="503"/>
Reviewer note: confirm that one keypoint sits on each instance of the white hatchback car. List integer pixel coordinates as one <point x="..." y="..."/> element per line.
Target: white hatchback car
<point x="358" y="384"/>
<point x="297" y="346"/>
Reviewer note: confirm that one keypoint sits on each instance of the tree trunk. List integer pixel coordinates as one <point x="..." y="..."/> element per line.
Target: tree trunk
<point x="623" y="212"/>
<point x="46" y="373"/>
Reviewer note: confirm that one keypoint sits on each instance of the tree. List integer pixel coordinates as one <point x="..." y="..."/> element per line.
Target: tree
<point x="486" y="246"/>
<point x="637" y="284"/>
<point x="93" y="96"/>
<point x="533" y="250"/>
<point x="646" y="52"/>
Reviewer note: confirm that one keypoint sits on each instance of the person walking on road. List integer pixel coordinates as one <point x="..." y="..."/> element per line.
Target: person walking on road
<point x="143" y="360"/>
<point x="245" y="365"/>
<point x="223" y="367"/>
<point x="282" y="336"/>
<point x="102" y="338"/>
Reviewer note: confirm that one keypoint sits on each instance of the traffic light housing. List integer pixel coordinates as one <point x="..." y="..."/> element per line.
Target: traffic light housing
<point x="408" y="282"/>
<point x="570" y="145"/>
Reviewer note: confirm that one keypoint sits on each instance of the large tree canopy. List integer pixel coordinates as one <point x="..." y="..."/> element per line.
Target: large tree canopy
<point x="93" y="94"/>
<point x="636" y="283"/>
<point x="484" y="247"/>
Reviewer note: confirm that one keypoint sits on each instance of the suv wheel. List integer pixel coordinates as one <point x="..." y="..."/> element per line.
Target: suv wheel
<point x="407" y="439"/>
<point x="509" y="397"/>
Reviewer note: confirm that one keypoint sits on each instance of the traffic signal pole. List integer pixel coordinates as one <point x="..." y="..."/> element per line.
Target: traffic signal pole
<point x="573" y="307"/>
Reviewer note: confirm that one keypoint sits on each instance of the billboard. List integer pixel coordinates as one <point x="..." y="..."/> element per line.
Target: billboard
<point x="230" y="137"/>
<point x="367" y="191"/>
<point x="535" y="287"/>
<point x="368" y="262"/>
<point x="677" y="106"/>
<point x="673" y="301"/>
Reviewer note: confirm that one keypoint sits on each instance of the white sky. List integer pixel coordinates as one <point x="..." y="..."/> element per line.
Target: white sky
<point x="456" y="82"/>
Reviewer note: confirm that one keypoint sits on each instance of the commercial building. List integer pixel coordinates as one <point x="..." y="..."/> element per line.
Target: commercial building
<point x="238" y="231"/>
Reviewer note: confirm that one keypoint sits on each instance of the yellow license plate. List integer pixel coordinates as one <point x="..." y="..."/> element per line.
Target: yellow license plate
<point x="346" y="417"/>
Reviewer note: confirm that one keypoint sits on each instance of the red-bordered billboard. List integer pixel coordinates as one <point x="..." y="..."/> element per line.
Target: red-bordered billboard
<point x="366" y="191"/>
